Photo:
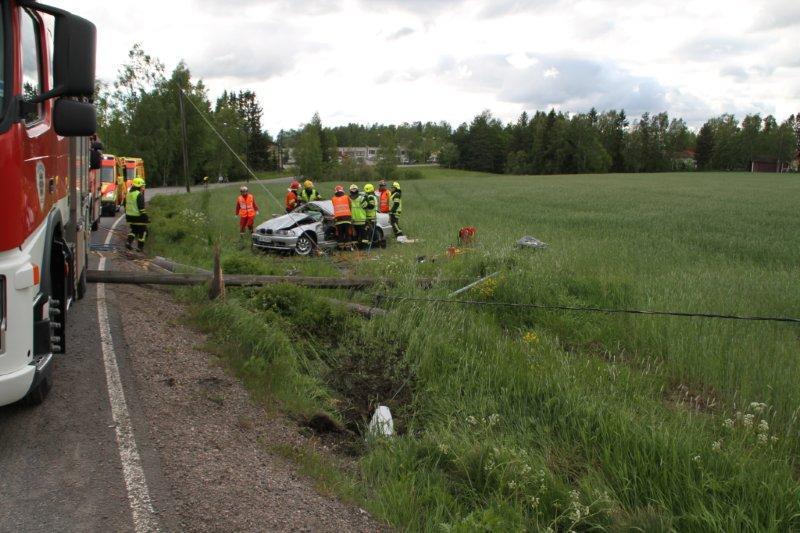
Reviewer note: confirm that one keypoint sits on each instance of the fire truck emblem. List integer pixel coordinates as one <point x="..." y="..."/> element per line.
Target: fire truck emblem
<point x="40" y="183"/>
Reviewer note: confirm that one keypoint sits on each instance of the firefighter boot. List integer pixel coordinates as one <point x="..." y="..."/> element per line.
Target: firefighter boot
<point x="129" y="242"/>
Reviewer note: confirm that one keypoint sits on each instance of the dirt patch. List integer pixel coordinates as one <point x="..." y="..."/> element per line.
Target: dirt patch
<point x="212" y="440"/>
<point x="693" y="396"/>
<point x="368" y="375"/>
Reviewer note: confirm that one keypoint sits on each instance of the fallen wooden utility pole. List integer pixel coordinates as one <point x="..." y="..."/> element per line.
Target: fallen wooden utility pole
<point x="148" y="278"/>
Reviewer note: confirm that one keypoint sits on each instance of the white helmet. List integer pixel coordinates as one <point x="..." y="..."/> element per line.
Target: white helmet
<point x="242" y="189"/>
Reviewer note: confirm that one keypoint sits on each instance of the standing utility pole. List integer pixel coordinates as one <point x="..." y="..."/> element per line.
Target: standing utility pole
<point x="185" y="147"/>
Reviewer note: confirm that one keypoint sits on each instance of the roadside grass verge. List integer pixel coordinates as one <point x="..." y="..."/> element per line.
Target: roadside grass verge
<point x="516" y="419"/>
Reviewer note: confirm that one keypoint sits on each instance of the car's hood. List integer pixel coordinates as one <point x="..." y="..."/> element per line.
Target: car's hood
<point x="289" y="221"/>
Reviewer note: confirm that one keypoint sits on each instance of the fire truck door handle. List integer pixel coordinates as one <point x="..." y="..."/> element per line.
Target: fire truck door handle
<point x="52" y="185"/>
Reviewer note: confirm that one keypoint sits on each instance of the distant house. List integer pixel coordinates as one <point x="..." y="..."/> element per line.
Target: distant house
<point x="769" y="165"/>
<point x="684" y="160"/>
<point x="369" y="154"/>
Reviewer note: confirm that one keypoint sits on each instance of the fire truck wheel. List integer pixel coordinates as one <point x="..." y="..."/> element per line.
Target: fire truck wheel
<point x="39" y="393"/>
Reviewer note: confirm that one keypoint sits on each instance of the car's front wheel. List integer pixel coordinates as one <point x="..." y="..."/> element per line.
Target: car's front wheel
<point x="304" y="245"/>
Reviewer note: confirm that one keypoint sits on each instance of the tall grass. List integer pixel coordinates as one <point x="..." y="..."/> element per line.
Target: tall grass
<point x="520" y="419"/>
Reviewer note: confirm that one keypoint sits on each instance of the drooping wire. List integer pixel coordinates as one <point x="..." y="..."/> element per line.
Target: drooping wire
<point x="245" y="165"/>
<point x="519" y="305"/>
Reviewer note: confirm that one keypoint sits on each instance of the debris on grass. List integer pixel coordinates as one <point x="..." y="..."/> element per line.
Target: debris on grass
<point x="531" y="242"/>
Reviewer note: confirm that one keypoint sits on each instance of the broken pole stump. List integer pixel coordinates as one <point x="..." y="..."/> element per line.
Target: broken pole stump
<point x="217" y="288"/>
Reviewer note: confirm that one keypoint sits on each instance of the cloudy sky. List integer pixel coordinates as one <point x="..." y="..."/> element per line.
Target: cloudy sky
<point x="394" y="61"/>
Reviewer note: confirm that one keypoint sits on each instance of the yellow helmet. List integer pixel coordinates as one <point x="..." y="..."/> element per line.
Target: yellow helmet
<point x="396" y="185"/>
<point x="308" y="184"/>
<point x="138" y="182"/>
<point x="368" y="188"/>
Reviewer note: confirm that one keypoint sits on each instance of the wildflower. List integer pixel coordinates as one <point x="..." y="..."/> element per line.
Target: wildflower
<point x="493" y="419"/>
<point x="444" y="448"/>
<point x="717" y="445"/>
<point x="763" y="427"/>
<point x="534" y="502"/>
<point x="530" y="337"/>
<point x="728" y="424"/>
<point x="526" y="470"/>
<point x="574" y="495"/>
<point x="472" y="421"/>
<point x="489" y="466"/>
<point x="696" y="459"/>
<point x="758" y="407"/>
<point x="773" y="439"/>
<point x="512" y="484"/>
<point x="763" y="438"/>
<point x="748" y="420"/>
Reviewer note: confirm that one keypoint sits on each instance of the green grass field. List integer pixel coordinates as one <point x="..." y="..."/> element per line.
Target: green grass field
<point x="516" y="419"/>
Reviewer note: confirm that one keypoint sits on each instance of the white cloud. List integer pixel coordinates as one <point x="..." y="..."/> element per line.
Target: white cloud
<point x="401" y="60"/>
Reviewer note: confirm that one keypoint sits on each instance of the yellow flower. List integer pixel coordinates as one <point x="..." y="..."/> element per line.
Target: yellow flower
<point x="530" y="337"/>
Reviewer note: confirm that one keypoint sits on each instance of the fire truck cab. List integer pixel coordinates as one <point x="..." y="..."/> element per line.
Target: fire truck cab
<point x="47" y="64"/>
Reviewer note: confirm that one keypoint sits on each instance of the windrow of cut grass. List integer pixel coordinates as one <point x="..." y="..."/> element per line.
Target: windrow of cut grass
<point x="517" y="419"/>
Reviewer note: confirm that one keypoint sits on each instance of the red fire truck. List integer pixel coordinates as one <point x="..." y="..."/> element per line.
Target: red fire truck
<point x="47" y="62"/>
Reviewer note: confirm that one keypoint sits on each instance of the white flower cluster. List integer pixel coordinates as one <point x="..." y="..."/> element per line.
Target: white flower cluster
<point x="193" y="217"/>
<point x="577" y="511"/>
<point x="717" y="446"/>
<point x="748" y="422"/>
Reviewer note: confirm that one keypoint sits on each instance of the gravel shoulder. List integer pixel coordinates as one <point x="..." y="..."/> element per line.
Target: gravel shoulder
<point x="211" y="439"/>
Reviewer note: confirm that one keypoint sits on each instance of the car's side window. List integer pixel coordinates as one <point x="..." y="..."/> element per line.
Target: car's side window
<point x="31" y="63"/>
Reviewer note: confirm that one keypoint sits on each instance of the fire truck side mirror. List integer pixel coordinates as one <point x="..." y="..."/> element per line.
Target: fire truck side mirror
<point x="74" y="50"/>
<point x="72" y="118"/>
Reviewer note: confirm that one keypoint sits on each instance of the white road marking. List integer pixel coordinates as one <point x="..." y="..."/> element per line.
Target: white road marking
<point x="144" y="516"/>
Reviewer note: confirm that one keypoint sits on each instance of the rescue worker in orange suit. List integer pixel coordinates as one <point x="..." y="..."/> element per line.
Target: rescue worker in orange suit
<point x="384" y="198"/>
<point x="292" y="201"/>
<point x="342" y="216"/>
<point x="246" y="210"/>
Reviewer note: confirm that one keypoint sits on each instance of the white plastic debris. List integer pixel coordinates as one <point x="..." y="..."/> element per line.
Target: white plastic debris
<point x="531" y="242"/>
<point x="381" y="423"/>
<point x="402" y="238"/>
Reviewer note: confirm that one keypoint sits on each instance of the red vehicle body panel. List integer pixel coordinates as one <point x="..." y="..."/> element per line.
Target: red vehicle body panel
<point x="24" y="152"/>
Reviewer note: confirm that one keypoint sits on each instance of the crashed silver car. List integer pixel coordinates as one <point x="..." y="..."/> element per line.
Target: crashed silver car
<point x="307" y="227"/>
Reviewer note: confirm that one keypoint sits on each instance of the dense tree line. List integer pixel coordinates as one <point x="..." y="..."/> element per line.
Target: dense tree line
<point x="139" y="116"/>
<point x="557" y="143"/>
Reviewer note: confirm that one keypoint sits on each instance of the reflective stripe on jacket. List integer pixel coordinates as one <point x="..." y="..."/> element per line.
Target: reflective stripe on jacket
<point x="384" y="198"/>
<point x="132" y="201"/>
<point x="397" y="203"/>
<point x="309" y="195"/>
<point x="370" y="201"/>
<point x="246" y="206"/>
<point x="357" y="209"/>
<point x="341" y="206"/>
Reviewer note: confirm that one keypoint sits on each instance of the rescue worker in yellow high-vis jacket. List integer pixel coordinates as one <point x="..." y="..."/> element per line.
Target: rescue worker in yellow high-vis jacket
<point x="136" y="215"/>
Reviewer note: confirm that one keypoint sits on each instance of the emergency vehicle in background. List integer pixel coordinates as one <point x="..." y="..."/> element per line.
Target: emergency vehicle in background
<point x="134" y="168"/>
<point x="47" y="64"/>
<point x="112" y="184"/>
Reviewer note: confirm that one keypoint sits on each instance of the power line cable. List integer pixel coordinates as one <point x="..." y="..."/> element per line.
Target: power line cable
<point x="245" y="165"/>
<point x="520" y="305"/>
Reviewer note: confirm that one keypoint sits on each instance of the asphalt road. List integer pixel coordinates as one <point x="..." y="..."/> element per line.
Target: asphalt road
<point x="60" y="464"/>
